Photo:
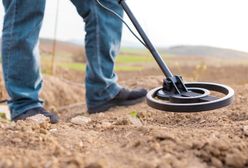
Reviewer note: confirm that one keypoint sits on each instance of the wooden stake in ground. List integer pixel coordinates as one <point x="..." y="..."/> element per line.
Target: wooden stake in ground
<point x="54" y="40"/>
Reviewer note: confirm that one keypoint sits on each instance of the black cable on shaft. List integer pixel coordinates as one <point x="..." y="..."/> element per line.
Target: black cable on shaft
<point x="123" y="21"/>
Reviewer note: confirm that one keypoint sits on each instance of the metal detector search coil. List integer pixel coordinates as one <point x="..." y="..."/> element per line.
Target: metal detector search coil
<point x="196" y="100"/>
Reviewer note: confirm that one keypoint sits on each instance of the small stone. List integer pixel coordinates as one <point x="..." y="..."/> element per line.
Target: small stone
<point x="245" y="129"/>
<point x="106" y="124"/>
<point x="135" y="121"/>
<point x="81" y="144"/>
<point x="216" y="162"/>
<point x="43" y="131"/>
<point x="53" y="130"/>
<point x="45" y="125"/>
<point x="235" y="160"/>
<point x="27" y="129"/>
<point x="12" y="124"/>
<point x="80" y="120"/>
<point x="38" y="119"/>
<point x="16" y="140"/>
<point x="156" y="146"/>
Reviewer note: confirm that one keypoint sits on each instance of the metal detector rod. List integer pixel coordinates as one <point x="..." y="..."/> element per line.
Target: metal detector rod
<point x="165" y="69"/>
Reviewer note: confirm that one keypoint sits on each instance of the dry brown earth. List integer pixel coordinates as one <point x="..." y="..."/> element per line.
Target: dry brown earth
<point x="153" y="139"/>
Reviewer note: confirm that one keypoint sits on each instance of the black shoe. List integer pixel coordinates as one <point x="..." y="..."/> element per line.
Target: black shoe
<point x="124" y="98"/>
<point x="32" y="112"/>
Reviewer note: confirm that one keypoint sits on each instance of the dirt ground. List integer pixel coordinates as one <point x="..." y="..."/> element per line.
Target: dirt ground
<point x="136" y="136"/>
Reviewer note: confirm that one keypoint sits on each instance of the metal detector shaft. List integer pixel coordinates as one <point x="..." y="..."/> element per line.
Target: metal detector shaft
<point x="148" y="43"/>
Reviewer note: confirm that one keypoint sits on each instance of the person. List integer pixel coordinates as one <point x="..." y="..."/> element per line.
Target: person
<point x="21" y="62"/>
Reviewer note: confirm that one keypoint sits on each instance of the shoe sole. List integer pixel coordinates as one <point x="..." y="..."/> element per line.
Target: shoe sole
<point x="107" y="106"/>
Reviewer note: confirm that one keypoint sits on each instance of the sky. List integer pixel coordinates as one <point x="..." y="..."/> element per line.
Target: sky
<point x="218" y="23"/>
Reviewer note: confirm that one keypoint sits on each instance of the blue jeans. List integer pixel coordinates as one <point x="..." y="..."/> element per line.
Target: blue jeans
<point x="21" y="60"/>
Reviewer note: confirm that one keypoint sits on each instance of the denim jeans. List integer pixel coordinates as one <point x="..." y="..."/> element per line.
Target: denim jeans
<point x="20" y="52"/>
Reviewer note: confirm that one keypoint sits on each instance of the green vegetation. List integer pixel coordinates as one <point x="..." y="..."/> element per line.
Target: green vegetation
<point x="81" y="67"/>
<point x="2" y="115"/>
<point x="133" y="59"/>
<point x="134" y="114"/>
<point x="128" y="68"/>
<point x="73" y="66"/>
<point x="128" y="60"/>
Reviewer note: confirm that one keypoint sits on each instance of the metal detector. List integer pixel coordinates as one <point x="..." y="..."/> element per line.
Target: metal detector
<point x="175" y="95"/>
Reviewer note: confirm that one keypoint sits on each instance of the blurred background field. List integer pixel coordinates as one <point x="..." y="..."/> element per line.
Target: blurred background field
<point x="70" y="56"/>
